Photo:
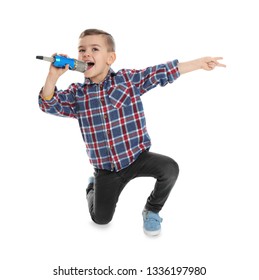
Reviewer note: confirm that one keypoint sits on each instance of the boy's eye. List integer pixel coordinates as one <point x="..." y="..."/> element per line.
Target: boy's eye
<point x="94" y="49"/>
<point x="81" y="51"/>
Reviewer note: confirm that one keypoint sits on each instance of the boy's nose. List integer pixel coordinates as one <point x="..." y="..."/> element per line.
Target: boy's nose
<point x="86" y="54"/>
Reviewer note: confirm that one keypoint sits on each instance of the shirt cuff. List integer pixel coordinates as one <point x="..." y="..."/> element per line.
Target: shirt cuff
<point x="172" y="70"/>
<point x="47" y="98"/>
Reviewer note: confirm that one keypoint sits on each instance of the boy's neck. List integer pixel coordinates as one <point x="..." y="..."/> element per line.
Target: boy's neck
<point x="101" y="79"/>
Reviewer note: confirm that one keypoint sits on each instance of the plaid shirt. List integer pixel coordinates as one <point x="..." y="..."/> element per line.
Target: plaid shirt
<point x="110" y="114"/>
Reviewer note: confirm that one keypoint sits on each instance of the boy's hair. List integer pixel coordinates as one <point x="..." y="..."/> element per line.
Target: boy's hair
<point x="109" y="39"/>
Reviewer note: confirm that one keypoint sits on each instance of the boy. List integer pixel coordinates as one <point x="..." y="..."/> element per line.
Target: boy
<point x="110" y="114"/>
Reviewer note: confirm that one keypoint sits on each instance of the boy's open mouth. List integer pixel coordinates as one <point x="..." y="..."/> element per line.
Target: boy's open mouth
<point x="89" y="65"/>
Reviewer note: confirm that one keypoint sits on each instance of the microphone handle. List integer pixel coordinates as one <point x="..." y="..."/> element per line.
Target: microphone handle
<point x="61" y="62"/>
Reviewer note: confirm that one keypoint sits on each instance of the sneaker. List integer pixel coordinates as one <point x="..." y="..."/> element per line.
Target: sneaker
<point x="151" y="222"/>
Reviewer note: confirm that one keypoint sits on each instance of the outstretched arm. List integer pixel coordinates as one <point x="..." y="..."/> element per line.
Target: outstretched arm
<point x="205" y="63"/>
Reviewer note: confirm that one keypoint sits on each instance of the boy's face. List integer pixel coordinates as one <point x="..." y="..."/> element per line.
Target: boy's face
<point x="93" y="49"/>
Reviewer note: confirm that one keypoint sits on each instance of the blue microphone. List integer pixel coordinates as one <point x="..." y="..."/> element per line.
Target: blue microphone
<point x="61" y="61"/>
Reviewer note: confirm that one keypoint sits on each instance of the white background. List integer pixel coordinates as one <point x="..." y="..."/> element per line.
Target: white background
<point x="206" y="121"/>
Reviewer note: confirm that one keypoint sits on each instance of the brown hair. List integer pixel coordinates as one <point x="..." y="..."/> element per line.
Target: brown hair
<point x="109" y="39"/>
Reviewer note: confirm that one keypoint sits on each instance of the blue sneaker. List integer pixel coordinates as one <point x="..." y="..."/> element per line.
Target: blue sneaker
<point x="151" y="222"/>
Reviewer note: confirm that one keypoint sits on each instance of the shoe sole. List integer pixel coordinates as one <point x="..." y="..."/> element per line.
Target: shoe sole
<point x="152" y="233"/>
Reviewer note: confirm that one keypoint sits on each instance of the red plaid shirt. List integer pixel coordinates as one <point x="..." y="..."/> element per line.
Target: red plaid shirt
<point x="110" y="114"/>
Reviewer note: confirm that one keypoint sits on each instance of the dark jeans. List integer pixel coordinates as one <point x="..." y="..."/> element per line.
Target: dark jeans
<point x="108" y="185"/>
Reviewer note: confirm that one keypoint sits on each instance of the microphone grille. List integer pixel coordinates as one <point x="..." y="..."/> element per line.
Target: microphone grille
<point x="80" y="66"/>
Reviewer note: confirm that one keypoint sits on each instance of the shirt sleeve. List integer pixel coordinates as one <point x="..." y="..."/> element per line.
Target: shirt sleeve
<point x="62" y="103"/>
<point x="150" y="77"/>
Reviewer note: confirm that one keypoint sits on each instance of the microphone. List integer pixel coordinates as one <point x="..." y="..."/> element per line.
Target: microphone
<point x="61" y="61"/>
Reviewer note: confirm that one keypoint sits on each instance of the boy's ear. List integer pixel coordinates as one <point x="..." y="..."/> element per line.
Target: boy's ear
<point x="111" y="58"/>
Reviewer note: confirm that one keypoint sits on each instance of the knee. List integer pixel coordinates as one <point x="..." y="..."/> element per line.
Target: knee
<point x="172" y="168"/>
<point x="102" y="220"/>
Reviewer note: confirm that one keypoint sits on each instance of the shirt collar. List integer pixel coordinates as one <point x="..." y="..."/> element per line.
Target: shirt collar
<point x="111" y="73"/>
